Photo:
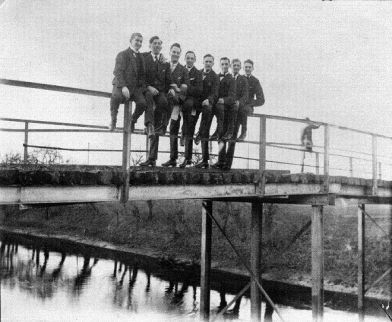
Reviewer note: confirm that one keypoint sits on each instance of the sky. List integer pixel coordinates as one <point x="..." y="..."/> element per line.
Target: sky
<point x="330" y="61"/>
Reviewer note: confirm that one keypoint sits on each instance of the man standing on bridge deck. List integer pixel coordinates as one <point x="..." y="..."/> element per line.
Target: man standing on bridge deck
<point x="306" y="140"/>
<point x="256" y="98"/>
<point x="208" y="98"/>
<point x="191" y="107"/>
<point x="129" y="81"/>
<point x="158" y="82"/>
<point x="176" y="96"/>
<point x="225" y="157"/>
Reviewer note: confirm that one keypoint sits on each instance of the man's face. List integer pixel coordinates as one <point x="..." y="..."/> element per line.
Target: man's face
<point x="248" y="68"/>
<point x="225" y="65"/>
<point x="175" y="53"/>
<point x="236" y="67"/>
<point x="208" y="63"/>
<point x="190" y="59"/>
<point x="156" y="46"/>
<point x="137" y="42"/>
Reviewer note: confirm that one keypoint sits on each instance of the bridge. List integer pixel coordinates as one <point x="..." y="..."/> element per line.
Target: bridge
<point x="40" y="185"/>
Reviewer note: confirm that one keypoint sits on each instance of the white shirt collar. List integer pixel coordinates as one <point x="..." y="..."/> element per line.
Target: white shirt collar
<point x="189" y="69"/>
<point x="153" y="56"/>
<point x="134" y="50"/>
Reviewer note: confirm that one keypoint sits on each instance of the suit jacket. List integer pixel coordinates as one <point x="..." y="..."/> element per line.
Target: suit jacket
<point x="255" y="90"/>
<point x="242" y="90"/>
<point x="126" y="72"/>
<point x="195" y="88"/>
<point x="179" y="75"/>
<point x="157" y="74"/>
<point x="227" y="89"/>
<point x="210" y="87"/>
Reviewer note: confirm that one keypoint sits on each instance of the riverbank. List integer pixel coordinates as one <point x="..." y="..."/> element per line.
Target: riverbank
<point x="170" y="231"/>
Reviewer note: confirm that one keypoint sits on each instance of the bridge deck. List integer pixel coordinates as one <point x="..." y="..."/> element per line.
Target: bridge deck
<point x="74" y="184"/>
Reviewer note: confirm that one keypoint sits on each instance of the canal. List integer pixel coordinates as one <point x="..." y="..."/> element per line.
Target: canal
<point x="46" y="281"/>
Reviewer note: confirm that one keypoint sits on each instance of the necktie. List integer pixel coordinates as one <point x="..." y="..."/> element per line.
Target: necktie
<point x="156" y="58"/>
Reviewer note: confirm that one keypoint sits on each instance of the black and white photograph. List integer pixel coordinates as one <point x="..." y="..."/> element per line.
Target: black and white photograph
<point x="196" y="160"/>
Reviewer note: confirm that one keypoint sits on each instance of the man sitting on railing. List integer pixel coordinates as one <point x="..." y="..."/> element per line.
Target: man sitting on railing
<point x="129" y="83"/>
<point x="306" y="139"/>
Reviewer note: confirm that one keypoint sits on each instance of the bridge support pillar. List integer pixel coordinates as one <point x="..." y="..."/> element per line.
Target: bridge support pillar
<point x="255" y="256"/>
<point x="317" y="263"/>
<point x="361" y="262"/>
<point x="205" y="261"/>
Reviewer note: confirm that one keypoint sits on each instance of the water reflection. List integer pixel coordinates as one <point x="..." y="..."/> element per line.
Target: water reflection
<point x="91" y="287"/>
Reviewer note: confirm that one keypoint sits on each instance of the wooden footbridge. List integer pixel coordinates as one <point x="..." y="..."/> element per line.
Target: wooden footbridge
<point x="26" y="184"/>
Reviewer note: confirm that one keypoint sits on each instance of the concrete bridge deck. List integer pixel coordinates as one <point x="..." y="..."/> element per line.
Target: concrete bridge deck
<point x="82" y="184"/>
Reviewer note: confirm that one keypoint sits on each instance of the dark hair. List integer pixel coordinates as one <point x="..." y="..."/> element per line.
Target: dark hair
<point x="249" y="61"/>
<point x="190" y="52"/>
<point x="236" y="60"/>
<point x="176" y="44"/>
<point x="154" y="38"/>
<point x="225" y="58"/>
<point x="134" y="35"/>
<point x="208" y="55"/>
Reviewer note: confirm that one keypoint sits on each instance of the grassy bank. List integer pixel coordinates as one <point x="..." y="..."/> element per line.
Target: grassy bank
<point x="173" y="228"/>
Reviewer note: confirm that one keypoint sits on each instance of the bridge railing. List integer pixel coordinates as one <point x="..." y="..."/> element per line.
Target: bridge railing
<point x="324" y="150"/>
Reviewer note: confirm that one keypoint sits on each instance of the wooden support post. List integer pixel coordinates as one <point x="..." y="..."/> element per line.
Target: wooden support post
<point x="317" y="163"/>
<point x="361" y="262"/>
<point x="205" y="261"/>
<point x="255" y="256"/>
<point x="26" y="142"/>
<point x="126" y="153"/>
<point x="379" y="171"/>
<point x="374" y="164"/>
<point x="262" y="152"/>
<point x="326" y="158"/>
<point x="351" y="167"/>
<point x="317" y="264"/>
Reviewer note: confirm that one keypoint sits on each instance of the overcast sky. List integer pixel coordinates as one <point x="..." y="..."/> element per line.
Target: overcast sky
<point x="330" y="61"/>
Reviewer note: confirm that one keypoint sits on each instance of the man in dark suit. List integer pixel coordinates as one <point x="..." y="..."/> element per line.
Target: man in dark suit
<point x="225" y="109"/>
<point x="208" y="98"/>
<point x="129" y="82"/>
<point x="177" y="95"/>
<point x="191" y="107"/>
<point x="225" y="158"/>
<point x="256" y="98"/>
<point x="158" y="83"/>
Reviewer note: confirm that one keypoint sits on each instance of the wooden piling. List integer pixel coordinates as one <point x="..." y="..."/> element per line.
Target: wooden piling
<point x="126" y="154"/>
<point x="255" y="256"/>
<point x="205" y="261"/>
<point x="361" y="262"/>
<point x="317" y="264"/>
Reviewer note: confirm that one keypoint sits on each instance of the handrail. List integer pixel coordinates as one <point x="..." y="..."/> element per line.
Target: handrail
<point x="75" y="90"/>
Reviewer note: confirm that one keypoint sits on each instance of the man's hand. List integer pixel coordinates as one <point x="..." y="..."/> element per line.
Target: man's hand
<point x="206" y="102"/>
<point x="125" y="92"/>
<point x="183" y="88"/>
<point x="237" y="103"/>
<point x="153" y="90"/>
<point x="175" y="87"/>
<point x="172" y="92"/>
<point x="221" y="101"/>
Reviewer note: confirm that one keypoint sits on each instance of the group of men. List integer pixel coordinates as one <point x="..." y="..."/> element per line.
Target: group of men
<point x="168" y="91"/>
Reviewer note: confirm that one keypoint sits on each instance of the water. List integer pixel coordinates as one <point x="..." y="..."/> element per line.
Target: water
<point x="39" y="283"/>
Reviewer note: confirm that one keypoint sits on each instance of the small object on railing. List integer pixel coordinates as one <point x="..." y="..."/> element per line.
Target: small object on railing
<point x="306" y="140"/>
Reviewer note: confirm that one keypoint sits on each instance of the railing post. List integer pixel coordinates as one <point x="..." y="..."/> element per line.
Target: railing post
<point x="126" y="153"/>
<point x="374" y="163"/>
<point x="26" y="142"/>
<point x="351" y="167"/>
<point x="317" y="162"/>
<point x="361" y="261"/>
<point x="326" y="158"/>
<point x="262" y="152"/>
<point x="379" y="171"/>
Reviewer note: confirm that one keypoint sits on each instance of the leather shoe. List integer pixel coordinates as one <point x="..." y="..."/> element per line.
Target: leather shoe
<point x="148" y="163"/>
<point x="197" y="138"/>
<point x="218" y="165"/>
<point x="150" y="130"/>
<point x="202" y="165"/>
<point x="242" y="137"/>
<point x="214" y="136"/>
<point x="170" y="163"/>
<point x="185" y="163"/>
